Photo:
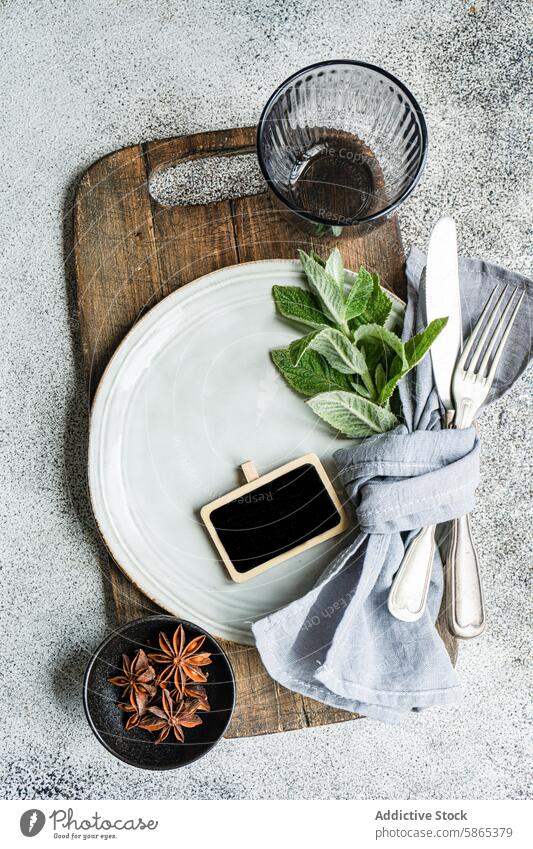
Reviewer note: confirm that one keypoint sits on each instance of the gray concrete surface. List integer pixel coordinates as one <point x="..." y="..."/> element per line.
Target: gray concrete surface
<point x="81" y="78"/>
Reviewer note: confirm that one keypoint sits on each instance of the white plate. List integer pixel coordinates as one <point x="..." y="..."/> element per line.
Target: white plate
<point x="189" y="395"/>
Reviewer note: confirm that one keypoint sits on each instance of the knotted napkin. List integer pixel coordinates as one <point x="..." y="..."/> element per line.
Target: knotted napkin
<point x="338" y="643"/>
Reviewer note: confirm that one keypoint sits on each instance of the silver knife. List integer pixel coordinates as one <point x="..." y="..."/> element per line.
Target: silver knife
<point x="443" y="298"/>
<point x="408" y="594"/>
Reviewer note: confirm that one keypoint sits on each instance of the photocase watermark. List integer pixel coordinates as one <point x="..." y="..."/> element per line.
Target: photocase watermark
<point x="255" y="497"/>
<point x="32" y="822"/>
<point x="328" y="611"/>
<point x="350" y="154"/>
<point x="342" y="220"/>
<point x="67" y="827"/>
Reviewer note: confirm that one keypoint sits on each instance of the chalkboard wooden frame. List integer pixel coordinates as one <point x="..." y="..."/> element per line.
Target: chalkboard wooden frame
<point x="257" y="482"/>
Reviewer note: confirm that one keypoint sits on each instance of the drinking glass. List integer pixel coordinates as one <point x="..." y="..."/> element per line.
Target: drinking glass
<point x="341" y="144"/>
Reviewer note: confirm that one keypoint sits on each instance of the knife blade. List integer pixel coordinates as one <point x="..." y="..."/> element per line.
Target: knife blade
<point x="443" y="298"/>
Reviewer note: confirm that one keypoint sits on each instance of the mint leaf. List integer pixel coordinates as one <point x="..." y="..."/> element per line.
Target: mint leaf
<point x="359" y="294"/>
<point x="414" y="350"/>
<point x="396" y="372"/>
<point x="299" y="305"/>
<point x="380" y="378"/>
<point x="311" y="376"/>
<point x="340" y="353"/>
<point x="361" y="389"/>
<point x="418" y="346"/>
<point x="378" y="306"/>
<point x="325" y="287"/>
<point x="376" y="352"/>
<point x="335" y="268"/>
<point x="382" y="336"/>
<point x="351" y="415"/>
<point x="317" y="258"/>
<point x="298" y="348"/>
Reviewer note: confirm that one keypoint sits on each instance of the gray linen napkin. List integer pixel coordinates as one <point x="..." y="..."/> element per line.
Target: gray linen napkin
<point x="338" y="643"/>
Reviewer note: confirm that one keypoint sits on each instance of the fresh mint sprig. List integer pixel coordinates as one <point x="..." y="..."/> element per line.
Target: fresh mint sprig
<point x="349" y="364"/>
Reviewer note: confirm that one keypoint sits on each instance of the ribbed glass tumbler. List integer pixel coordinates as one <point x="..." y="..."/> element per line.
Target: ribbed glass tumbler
<point x="341" y="144"/>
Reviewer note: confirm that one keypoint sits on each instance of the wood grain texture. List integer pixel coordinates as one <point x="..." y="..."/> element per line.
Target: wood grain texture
<point x="130" y="252"/>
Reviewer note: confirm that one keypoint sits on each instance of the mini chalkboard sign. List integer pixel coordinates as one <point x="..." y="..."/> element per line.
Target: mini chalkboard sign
<point x="274" y="516"/>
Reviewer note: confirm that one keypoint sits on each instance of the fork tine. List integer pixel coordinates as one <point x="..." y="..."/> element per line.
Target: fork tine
<point x="477" y="327"/>
<point x="501" y="346"/>
<point x="488" y="331"/>
<point x="495" y="333"/>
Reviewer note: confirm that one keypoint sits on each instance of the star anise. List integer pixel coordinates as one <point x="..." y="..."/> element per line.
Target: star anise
<point x="194" y="692"/>
<point x="136" y="714"/>
<point x="137" y="681"/>
<point x="170" y="717"/>
<point x="181" y="661"/>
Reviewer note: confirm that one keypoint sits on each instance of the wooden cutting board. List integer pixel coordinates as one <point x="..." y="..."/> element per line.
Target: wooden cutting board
<point x="130" y="252"/>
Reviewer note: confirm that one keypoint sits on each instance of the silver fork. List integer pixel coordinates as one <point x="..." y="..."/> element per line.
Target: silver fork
<point x="471" y="385"/>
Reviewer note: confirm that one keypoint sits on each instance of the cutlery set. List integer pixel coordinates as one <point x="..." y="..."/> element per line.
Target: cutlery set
<point x="463" y="377"/>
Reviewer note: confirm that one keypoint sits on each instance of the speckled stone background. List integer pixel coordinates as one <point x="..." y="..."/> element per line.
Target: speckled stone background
<point x="81" y="78"/>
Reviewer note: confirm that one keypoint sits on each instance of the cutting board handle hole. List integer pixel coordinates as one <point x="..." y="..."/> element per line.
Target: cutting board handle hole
<point x="206" y="180"/>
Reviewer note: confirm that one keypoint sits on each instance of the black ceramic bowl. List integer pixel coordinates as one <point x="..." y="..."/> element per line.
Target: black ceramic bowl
<point x="137" y="747"/>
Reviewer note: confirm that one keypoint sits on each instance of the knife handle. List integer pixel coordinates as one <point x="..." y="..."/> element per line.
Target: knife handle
<point x="409" y="591"/>
<point x="464" y="591"/>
